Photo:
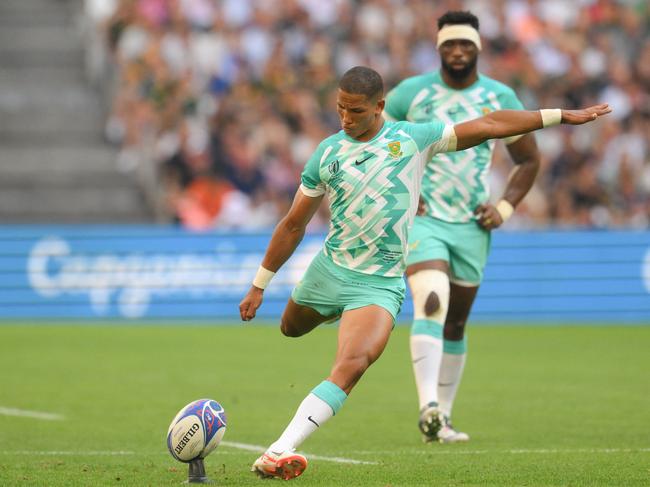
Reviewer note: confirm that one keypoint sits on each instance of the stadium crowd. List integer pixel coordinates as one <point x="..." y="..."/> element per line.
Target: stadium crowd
<point x="224" y="100"/>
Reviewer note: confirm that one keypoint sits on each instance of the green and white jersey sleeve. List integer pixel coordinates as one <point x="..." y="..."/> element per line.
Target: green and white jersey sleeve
<point x="373" y="189"/>
<point x="455" y="183"/>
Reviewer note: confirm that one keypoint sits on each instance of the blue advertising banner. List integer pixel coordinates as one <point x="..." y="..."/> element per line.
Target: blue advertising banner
<point x="150" y="272"/>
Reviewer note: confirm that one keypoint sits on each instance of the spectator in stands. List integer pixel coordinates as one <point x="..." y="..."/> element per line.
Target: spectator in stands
<point x="258" y="75"/>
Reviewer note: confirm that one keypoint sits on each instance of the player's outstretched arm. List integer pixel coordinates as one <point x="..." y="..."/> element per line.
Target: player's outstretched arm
<point x="287" y="235"/>
<point x="506" y="123"/>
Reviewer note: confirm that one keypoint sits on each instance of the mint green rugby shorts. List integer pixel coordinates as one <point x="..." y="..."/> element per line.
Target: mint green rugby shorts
<point x="331" y="289"/>
<point x="464" y="245"/>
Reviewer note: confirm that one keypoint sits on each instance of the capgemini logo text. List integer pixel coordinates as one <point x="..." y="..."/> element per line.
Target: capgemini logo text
<point x="133" y="280"/>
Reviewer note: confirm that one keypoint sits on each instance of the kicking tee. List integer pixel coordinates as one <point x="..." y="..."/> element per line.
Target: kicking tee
<point x="373" y="189"/>
<point x="456" y="183"/>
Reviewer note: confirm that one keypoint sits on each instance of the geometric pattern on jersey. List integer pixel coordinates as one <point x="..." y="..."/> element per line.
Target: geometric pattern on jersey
<point x="373" y="189"/>
<point x="454" y="183"/>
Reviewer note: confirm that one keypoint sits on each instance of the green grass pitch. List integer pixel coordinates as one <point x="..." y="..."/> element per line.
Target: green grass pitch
<point x="561" y="406"/>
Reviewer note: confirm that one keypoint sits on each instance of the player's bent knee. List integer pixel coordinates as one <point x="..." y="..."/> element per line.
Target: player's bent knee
<point x="290" y="330"/>
<point x="430" y="291"/>
<point x="454" y="330"/>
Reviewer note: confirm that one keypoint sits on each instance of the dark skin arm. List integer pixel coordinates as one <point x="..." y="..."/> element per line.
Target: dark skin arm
<point x="506" y="123"/>
<point x="287" y="235"/>
<point x="526" y="157"/>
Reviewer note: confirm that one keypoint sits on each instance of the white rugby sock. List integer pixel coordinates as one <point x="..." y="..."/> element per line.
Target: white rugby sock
<point x="426" y="332"/>
<point x="426" y="354"/>
<point x="451" y="372"/>
<point x="311" y="414"/>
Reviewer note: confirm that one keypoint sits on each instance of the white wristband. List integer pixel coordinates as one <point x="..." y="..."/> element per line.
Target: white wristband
<point x="551" y="117"/>
<point x="263" y="278"/>
<point x="505" y="209"/>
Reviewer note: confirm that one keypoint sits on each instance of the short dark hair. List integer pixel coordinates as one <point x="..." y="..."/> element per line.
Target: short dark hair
<point x="455" y="17"/>
<point x="362" y="80"/>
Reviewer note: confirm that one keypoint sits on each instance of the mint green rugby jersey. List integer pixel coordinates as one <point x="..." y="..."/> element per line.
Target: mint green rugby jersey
<point x="456" y="183"/>
<point x="373" y="189"/>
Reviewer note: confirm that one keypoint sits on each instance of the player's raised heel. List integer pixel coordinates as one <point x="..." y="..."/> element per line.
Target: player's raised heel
<point x="430" y="423"/>
<point x="448" y="434"/>
<point x="286" y="465"/>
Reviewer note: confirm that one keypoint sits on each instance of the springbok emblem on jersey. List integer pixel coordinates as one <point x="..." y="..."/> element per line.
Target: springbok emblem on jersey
<point x="395" y="149"/>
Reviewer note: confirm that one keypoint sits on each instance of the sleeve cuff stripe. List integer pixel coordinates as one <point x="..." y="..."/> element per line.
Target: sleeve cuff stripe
<point x="312" y="193"/>
<point x="450" y="133"/>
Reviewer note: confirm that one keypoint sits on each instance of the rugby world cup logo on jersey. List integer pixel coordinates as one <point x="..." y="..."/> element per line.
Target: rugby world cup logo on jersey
<point x="395" y="149"/>
<point x="333" y="167"/>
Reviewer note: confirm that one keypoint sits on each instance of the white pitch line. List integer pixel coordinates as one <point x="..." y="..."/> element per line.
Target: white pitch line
<point x="66" y="453"/>
<point x="541" y="451"/>
<point x="582" y="450"/>
<point x="30" y="414"/>
<point x="261" y="449"/>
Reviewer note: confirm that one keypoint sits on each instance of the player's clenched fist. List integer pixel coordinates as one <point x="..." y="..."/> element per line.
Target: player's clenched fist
<point x="250" y="303"/>
<point x="488" y="216"/>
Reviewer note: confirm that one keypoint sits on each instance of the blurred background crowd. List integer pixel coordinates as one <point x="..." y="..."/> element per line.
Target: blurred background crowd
<point x="221" y="102"/>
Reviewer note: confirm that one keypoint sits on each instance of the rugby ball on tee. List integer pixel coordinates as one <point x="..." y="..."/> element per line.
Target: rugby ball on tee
<point x="196" y="430"/>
